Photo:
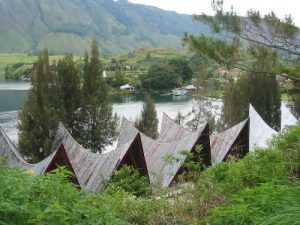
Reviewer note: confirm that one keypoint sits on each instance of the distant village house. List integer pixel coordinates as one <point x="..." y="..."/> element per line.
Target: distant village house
<point x="127" y="87"/>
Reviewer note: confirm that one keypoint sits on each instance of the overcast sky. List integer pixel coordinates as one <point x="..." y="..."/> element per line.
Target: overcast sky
<point x="280" y="7"/>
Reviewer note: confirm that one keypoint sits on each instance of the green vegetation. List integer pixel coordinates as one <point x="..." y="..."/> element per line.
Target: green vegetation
<point x="262" y="188"/>
<point x="259" y="89"/>
<point x="41" y="112"/>
<point x="57" y="95"/>
<point x="69" y="26"/>
<point x="166" y="75"/>
<point x="130" y="181"/>
<point x="96" y="126"/>
<point x="270" y="48"/>
<point x="13" y="65"/>
<point x="147" y="123"/>
<point x="69" y="82"/>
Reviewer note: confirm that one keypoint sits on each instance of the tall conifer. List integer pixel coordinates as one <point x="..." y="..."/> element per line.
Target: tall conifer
<point x="148" y="122"/>
<point x="97" y="124"/>
<point x="70" y="92"/>
<point x="41" y="112"/>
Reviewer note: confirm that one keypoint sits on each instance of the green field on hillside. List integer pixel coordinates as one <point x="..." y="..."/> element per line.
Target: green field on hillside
<point x="7" y="59"/>
<point x="140" y="58"/>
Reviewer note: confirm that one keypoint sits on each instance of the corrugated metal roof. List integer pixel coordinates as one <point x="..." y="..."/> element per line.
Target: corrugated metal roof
<point x="9" y="152"/>
<point x="92" y="169"/>
<point x="171" y="131"/>
<point x="224" y="143"/>
<point x="260" y="132"/>
<point x="161" y="172"/>
<point x="287" y="118"/>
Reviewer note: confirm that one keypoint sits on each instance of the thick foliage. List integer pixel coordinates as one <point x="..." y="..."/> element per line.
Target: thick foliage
<point x="266" y="204"/>
<point x="262" y="188"/>
<point x="130" y="181"/>
<point x="50" y="199"/>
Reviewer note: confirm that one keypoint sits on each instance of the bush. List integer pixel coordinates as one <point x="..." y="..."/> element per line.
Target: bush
<point x="49" y="199"/>
<point x="266" y="204"/>
<point x="130" y="181"/>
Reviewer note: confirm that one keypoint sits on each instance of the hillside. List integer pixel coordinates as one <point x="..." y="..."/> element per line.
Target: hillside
<point x="68" y="26"/>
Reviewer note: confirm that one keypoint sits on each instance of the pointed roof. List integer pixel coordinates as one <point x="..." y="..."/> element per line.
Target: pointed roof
<point x="260" y="131"/>
<point x="163" y="173"/>
<point x="287" y="118"/>
<point x="171" y="131"/>
<point x="14" y="158"/>
<point x="90" y="169"/>
<point x="93" y="169"/>
<point x="223" y="144"/>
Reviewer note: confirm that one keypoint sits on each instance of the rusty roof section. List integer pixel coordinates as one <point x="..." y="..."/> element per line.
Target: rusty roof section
<point x="164" y="159"/>
<point x="93" y="169"/>
<point x="224" y="143"/>
<point x="171" y="131"/>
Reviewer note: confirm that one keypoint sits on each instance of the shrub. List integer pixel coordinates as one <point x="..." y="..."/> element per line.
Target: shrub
<point x="130" y="181"/>
<point x="266" y="204"/>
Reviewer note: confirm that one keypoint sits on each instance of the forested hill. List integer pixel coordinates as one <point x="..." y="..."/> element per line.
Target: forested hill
<point x="68" y="26"/>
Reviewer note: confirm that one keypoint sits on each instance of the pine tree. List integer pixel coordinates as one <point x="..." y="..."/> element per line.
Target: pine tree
<point x="148" y="122"/>
<point x="259" y="89"/>
<point x="97" y="124"/>
<point x="41" y="112"/>
<point x="70" y="92"/>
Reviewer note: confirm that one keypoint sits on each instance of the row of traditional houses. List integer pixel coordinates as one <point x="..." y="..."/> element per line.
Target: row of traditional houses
<point x="148" y="156"/>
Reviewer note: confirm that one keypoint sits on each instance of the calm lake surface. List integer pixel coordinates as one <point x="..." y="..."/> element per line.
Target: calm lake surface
<point x="13" y="95"/>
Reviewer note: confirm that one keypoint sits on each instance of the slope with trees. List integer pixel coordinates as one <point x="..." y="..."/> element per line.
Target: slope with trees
<point x="67" y="26"/>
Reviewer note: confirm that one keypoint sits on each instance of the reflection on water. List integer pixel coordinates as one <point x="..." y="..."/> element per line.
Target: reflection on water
<point x="21" y="86"/>
<point x="129" y="106"/>
<point x="9" y="123"/>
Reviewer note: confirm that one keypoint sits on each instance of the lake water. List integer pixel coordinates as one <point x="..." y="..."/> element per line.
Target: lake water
<point x="13" y="95"/>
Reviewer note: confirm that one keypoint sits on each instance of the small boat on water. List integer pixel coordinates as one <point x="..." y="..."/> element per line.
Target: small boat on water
<point x="179" y="91"/>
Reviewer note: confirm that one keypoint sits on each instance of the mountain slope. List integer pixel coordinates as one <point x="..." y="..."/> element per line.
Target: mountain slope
<point x="68" y="26"/>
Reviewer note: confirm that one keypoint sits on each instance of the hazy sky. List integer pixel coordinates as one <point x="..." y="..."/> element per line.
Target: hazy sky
<point x="280" y="7"/>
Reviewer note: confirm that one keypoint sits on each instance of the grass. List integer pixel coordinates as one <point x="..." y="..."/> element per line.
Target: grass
<point x="137" y="59"/>
<point x="13" y="58"/>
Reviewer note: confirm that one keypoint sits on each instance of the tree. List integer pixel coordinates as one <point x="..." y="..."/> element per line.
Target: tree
<point x="69" y="81"/>
<point x="280" y="36"/>
<point x="41" y="112"/>
<point x="97" y="124"/>
<point x="252" y="39"/>
<point x="181" y="67"/>
<point x="159" y="76"/>
<point x="179" y="118"/>
<point x="259" y="89"/>
<point x="148" y="122"/>
<point x="167" y="74"/>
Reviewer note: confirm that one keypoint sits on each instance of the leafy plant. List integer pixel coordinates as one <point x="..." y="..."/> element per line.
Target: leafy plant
<point x="130" y="181"/>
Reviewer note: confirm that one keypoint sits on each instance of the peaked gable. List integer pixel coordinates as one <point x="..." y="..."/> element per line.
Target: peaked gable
<point x="234" y="140"/>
